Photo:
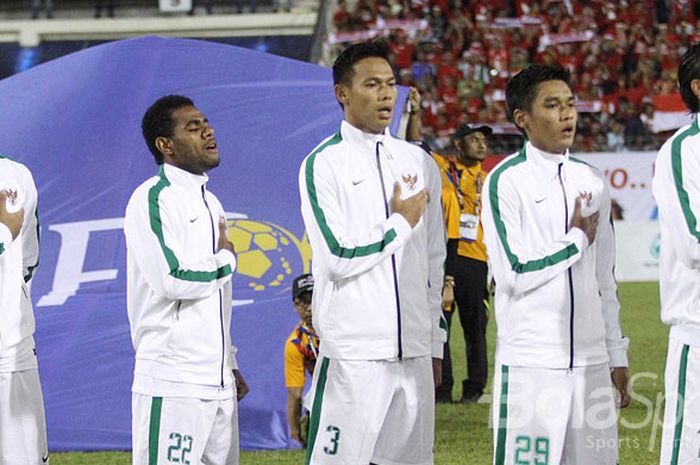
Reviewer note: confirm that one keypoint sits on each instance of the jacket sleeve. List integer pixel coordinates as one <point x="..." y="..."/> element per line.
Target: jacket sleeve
<point x="437" y="251"/>
<point x="234" y="357"/>
<point x="5" y="239"/>
<point x="678" y="195"/>
<point x="343" y="249"/>
<point x="518" y="266"/>
<point x="30" y="231"/>
<point x="604" y="242"/>
<point x="151" y="230"/>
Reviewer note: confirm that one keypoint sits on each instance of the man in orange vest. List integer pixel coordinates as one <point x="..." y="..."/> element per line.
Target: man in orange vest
<point x="466" y="269"/>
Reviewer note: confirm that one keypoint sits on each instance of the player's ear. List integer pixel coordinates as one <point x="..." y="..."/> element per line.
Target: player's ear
<point x="341" y="94"/>
<point x="695" y="87"/>
<point x="164" y="146"/>
<point x="520" y="119"/>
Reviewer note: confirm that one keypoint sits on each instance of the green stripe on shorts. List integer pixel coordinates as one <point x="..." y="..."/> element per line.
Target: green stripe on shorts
<point x="316" y="408"/>
<point x="680" y="404"/>
<point x="154" y="430"/>
<point x="500" y="458"/>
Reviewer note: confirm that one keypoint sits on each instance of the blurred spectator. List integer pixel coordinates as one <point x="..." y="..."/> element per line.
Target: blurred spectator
<point x="634" y="128"/>
<point x="109" y="6"/>
<point x="276" y="6"/>
<point x="207" y="6"/>
<point x="460" y="53"/>
<point x="36" y="7"/>
<point x="616" y="136"/>
<point x="647" y="116"/>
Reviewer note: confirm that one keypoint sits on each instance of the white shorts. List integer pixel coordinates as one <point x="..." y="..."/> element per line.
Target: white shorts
<point x="554" y="417"/>
<point x="167" y="430"/>
<point x="22" y="420"/>
<point x="376" y="410"/>
<point x="680" y="442"/>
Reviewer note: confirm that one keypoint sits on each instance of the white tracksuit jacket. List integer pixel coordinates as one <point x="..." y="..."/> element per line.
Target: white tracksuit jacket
<point x="676" y="188"/>
<point x="178" y="286"/>
<point x="556" y="296"/>
<point x="378" y="283"/>
<point x="18" y="258"/>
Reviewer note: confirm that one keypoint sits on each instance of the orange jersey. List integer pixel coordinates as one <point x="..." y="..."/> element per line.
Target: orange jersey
<point x="300" y="355"/>
<point x="461" y="194"/>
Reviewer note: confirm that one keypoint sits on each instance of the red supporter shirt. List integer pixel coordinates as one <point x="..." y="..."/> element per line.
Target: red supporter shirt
<point x="403" y="53"/>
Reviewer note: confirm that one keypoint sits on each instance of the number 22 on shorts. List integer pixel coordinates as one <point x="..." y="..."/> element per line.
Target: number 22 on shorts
<point x="177" y="452"/>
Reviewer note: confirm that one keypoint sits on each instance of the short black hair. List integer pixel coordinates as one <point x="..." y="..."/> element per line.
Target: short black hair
<point x="343" y="66"/>
<point x="158" y="121"/>
<point x="689" y="69"/>
<point x="521" y="89"/>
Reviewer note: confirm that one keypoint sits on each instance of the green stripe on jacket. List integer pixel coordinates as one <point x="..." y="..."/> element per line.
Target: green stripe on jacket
<point x="157" y="228"/>
<point x="515" y="263"/>
<point x="331" y="241"/>
<point x="677" y="169"/>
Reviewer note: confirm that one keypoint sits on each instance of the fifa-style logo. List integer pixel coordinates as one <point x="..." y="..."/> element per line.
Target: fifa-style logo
<point x="410" y="181"/>
<point x="269" y="256"/>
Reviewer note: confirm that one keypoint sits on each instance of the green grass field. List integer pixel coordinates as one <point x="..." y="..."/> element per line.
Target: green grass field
<point x="463" y="436"/>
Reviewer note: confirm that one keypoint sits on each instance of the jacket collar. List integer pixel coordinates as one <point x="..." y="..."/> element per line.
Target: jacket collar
<point x="183" y="178"/>
<point x="546" y="168"/>
<point x="546" y="164"/>
<point x="545" y="159"/>
<point x="356" y="136"/>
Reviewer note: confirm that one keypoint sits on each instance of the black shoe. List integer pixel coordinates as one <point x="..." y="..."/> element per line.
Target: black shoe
<point x="472" y="398"/>
<point x="443" y="399"/>
<point x="443" y="395"/>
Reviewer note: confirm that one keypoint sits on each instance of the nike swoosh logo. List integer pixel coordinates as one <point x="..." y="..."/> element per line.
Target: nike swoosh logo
<point x="194" y="219"/>
<point x="540" y="200"/>
<point x="355" y="183"/>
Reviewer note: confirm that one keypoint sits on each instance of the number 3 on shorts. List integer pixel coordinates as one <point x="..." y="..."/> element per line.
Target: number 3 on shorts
<point x="332" y="448"/>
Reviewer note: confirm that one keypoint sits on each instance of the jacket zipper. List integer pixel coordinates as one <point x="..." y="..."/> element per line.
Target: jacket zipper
<point x="221" y="313"/>
<point x="393" y="258"/>
<point x="569" y="272"/>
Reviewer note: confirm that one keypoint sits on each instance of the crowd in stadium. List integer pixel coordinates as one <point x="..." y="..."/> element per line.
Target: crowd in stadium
<point x="459" y="54"/>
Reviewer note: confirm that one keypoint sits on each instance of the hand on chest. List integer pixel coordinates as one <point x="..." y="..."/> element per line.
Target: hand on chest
<point x="558" y="196"/>
<point x="365" y="181"/>
<point x="15" y="194"/>
<point x="198" y="227"/>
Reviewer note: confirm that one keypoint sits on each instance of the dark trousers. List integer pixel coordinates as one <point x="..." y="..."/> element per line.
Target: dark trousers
<point x="109" y="6"/>
<point x="470" y="292"/>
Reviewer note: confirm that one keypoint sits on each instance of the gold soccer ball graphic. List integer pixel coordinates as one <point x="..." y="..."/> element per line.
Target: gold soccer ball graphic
<point x="268" y="255"/>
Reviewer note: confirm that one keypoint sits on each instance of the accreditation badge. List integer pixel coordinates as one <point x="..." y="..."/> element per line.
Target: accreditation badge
<point x="468" y="227"/>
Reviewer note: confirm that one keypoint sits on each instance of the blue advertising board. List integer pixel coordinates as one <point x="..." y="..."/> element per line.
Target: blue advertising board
<point x="75" y="122"/>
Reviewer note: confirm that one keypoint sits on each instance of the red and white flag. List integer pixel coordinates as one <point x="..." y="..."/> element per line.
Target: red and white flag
<point x="669" y="113"/>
